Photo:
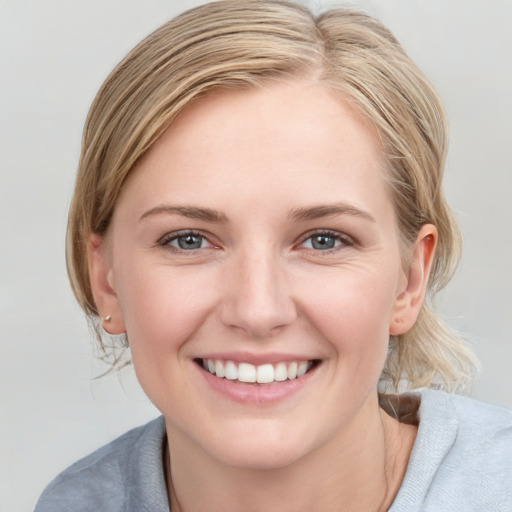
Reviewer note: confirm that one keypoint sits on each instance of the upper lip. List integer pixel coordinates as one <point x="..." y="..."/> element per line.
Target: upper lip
<point x="256" y="359"/>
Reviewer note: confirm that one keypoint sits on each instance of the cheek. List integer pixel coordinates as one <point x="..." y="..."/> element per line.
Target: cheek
<point x="352" y="311"/>
<point x="162" y="306"/>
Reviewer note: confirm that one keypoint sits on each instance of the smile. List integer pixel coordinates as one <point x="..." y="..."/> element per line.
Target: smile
<point x="261" y="374"/>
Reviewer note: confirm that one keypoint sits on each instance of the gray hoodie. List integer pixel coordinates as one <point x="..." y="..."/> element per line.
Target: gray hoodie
<point x="461" y="462"/>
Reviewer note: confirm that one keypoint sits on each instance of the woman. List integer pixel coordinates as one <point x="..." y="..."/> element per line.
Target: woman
<point x="258" y="210"/>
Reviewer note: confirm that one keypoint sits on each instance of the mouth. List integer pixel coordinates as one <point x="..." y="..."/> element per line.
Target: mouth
<point x="248" y="373"/>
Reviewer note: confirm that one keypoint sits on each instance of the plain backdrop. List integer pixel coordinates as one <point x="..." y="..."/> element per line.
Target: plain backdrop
<point x="54" y="54"/>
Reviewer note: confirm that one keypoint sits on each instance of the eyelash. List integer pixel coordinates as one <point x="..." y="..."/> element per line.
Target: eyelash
<point x="344" y="241"/>
<point x="166" y="240"/>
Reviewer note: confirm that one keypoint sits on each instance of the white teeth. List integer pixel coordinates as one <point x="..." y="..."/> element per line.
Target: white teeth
<point x="231" y="371"/>
<point x="262" y="374"/>
<point x="303" y="368"/>
<point x="246" y="372"/>
<point x="219" y="369"/>
<point x="292" y="371"/>
<point x="280" y="372"/>
<point x="265" y="374"/>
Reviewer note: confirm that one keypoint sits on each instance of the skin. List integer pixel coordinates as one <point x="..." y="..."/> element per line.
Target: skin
<point x="265" y="160"/>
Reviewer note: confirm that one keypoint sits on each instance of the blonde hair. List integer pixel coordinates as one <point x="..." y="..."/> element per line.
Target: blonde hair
<point x="234" y="44"/>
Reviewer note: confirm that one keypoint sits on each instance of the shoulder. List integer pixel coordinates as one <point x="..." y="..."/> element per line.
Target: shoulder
<point x="109" y="478"/>
<point x="484" y="429"/>
<point x="462" y="457"/>
<point x="478" y="465"/>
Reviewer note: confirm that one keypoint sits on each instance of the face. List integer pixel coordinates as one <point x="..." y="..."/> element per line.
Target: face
<point x="257" y="240"/>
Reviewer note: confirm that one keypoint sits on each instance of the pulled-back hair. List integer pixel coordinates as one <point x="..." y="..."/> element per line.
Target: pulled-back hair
<point x="234" y="44"/>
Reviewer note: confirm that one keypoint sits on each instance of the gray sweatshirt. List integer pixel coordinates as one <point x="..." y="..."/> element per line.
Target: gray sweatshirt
<point x="461" y="462"/>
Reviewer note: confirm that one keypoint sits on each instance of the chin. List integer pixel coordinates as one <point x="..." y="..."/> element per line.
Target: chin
<point x="265" y="458"/>
<point x="260" y="447"/>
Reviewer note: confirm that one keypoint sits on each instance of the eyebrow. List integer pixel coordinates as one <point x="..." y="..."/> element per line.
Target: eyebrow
<point x="296" y="214"/>
<point x="190" y="212"/>
<point x="326" y="210"/>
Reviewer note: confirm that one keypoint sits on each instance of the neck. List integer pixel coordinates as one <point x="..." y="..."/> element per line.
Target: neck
<point x="359" y="470"/>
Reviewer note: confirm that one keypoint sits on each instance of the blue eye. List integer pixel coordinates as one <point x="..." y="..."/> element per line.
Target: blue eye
<point x="325" y="241"/>
<point x="187" y="241"/>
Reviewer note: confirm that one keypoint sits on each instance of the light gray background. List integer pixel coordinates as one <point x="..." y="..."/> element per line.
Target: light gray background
<point x="53" y="57"/>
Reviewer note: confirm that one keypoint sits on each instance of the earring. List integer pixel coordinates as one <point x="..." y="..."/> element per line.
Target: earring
<point x="120" y="339"/>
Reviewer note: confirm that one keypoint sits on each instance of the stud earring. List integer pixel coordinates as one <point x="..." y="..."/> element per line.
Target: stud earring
<point x="121" y="339"/>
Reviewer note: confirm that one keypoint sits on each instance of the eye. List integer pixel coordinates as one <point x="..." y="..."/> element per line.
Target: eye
<point x="325" y="240"/>
<point x="185" y="241"/>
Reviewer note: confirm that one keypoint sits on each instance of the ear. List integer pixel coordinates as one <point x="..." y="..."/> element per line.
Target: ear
<point x="102" y="284"/>
<point x="410" y="300"/>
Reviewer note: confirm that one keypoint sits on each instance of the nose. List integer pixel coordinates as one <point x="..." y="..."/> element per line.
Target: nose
<point x="257" y="298"/>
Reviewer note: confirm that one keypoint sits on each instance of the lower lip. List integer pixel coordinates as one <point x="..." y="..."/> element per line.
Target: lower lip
<point x="258" y="394"/>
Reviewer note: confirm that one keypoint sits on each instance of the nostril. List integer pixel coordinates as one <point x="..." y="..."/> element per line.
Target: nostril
<point x="256" y="300"/>
<point x="256" y="323"/>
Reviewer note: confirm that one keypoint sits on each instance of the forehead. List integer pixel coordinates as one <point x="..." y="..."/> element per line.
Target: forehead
<point x="298" y="139"/>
